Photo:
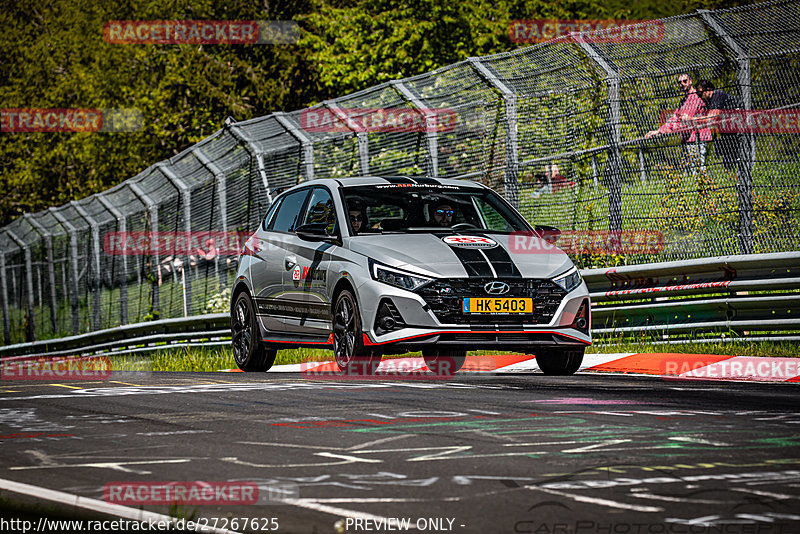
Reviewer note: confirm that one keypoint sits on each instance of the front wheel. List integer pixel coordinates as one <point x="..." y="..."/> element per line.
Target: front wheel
<point x="348" y="338"/>
<point x="444" y="362"/>
<point x="560" y="362"/>
<point x="248" y="350"/>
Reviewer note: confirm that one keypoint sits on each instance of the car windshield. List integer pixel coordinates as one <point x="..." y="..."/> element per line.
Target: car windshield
<point x="410" y="208"/>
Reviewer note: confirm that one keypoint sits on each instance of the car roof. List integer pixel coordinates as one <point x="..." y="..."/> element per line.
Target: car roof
<point x="355" y="181"/>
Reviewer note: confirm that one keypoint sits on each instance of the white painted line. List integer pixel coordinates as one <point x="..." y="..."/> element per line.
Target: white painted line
<point x="601" y="502"/>
<point x="86" y="503"/>
<point x="335" y="510"/>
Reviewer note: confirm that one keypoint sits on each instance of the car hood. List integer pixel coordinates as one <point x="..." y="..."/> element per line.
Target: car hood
<point x="428" y="254"/>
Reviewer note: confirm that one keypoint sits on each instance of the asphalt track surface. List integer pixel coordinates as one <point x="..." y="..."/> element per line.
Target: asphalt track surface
<point x="521" y="453"/>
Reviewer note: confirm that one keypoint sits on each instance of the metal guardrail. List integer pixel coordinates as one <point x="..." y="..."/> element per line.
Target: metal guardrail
<point x="748" y="297"/>
<point x="736" y="294"/>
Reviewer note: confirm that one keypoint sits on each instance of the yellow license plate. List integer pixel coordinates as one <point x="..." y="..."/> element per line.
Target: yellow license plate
<point x="497" y="305"/>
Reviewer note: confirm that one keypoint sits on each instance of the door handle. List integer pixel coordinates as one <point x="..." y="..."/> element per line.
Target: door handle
<point x="289" y="262"/>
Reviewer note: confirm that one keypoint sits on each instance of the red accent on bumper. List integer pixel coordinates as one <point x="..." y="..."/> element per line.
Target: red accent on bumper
<point x="367" y="340"/>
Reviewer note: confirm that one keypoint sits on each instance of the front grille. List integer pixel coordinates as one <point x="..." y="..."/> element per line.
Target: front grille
<point x="445" y="298"/>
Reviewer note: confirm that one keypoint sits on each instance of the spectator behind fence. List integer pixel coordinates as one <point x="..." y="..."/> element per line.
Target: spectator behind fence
<point x="549" y="181"/>
<point x="726" y="145"/>
<point x="690" y="105"/>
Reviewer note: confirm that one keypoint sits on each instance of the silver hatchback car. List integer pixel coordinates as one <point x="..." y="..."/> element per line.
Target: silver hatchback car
<point x="376" y="265"/>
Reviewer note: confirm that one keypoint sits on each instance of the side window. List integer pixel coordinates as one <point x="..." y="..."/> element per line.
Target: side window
<point x="270" y="214"/>
<point x="320" y="210"/>
<point x="492" y="219"/>
<point x="288" y="215"/>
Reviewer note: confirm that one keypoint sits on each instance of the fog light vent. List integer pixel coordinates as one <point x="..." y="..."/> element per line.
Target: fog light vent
<point x="388" y="318"/>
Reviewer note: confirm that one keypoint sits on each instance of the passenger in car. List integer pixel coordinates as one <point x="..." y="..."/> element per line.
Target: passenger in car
<point x="356" y="219"/>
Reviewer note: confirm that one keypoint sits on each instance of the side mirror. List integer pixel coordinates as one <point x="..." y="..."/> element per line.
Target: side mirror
<point x="316" y="232"/>
<point x="548" y="233"/>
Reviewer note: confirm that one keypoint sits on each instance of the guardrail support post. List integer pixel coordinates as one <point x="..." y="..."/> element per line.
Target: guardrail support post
<point x="73" y="260"/>
<point x="303" y="138"/>
<point x="122" y="225"/>
<point x="431" y="127"/>
<point x="51" y="273"/>
<point x="747" y="146"/>
<point x="512" y="151"/>
<point x="30" y="333"/>
<point x="615" y="157"/>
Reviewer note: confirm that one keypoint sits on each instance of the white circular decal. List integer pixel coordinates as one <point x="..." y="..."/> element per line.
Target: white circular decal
<point x="469" y="241"/>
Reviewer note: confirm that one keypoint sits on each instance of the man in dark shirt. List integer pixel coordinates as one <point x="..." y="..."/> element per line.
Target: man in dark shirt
<point x="719" y="102"/>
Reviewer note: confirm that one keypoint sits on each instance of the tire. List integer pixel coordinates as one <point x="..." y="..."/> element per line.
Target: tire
<point x="249" y="352"/>
<point x="348" y="339"/>
<point x="560" y="362"/>
<point x="444" y="362"/>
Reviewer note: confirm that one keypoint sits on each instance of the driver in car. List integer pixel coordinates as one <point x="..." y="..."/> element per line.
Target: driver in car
<point x="443" y="214"/>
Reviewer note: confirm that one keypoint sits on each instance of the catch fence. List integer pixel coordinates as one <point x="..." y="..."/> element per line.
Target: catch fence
<point x="581" y="103"/>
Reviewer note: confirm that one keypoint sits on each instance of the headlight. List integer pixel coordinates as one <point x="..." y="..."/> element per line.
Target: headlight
<point x="396" y="277"/>
<point x="569" y="280"/>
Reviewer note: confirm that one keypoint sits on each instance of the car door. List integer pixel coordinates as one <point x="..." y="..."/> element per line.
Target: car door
<point x="266" y="274"/>
<point x="304" y="284"/>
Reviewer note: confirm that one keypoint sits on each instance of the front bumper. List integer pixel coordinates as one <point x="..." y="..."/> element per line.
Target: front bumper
<point x="420" y="326"/>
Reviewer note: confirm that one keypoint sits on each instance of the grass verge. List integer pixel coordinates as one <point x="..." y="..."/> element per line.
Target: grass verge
<point x="193" y="359"/>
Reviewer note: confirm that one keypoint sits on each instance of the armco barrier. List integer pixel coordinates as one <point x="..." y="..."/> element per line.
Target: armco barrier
<point x="746" y="297"/>
<point x="736" y="294"/>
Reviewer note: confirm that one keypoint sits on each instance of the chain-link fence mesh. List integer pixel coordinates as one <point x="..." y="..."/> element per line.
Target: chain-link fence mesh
<point x="559" y="128"/>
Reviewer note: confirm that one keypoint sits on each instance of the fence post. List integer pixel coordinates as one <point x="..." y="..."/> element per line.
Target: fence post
<point x="303" y="139"/>
<point x="51" y="273"/>
<point x="747" y="148"/>
<point x="363" y="141"/>
<point x="73" y="260"/>
<point x="98" y="277"/>
<point x="186" y="200"/>
<point x="30" y="334"/>
<point x="222" y="196"/>
<point x="431" y="126"/>
<point x="512" y="151"/>
<point x="241" y="136"/>
<point x="122" y="225"/>
<point x="4" y="299"/>
<point x="615" y="159"/>
<point x="155" y="259"/>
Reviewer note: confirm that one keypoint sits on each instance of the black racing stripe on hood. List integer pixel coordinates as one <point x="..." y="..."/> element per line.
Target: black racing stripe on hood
<point x="473" y="261"/>
<point x="502" y="262"/>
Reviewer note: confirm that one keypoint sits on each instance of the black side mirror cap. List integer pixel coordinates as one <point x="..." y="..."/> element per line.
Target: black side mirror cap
<point x="548" y="233"/>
